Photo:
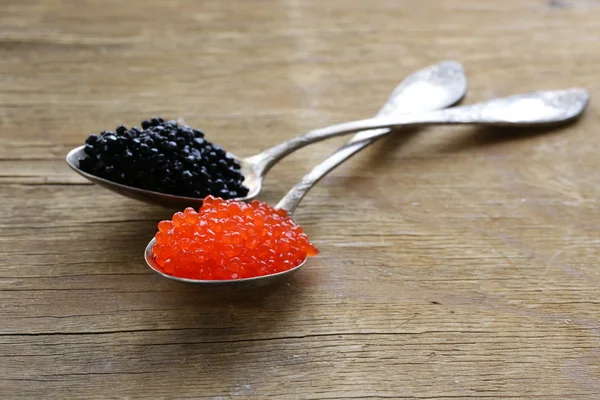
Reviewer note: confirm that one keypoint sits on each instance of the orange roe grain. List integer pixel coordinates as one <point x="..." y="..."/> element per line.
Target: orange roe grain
<point x="228" y="239"/>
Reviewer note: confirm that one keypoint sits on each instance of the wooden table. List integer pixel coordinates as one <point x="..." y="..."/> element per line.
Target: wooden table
<point x="456" y="263"/>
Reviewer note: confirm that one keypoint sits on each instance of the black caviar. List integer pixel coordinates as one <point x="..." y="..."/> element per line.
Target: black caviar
<point x="165" y="157"/>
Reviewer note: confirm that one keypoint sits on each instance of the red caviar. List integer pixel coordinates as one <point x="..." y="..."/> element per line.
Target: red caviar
<point x="229" y="239"/>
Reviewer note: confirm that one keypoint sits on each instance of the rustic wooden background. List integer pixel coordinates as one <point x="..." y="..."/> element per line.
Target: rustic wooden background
<point x="456" y="263"/>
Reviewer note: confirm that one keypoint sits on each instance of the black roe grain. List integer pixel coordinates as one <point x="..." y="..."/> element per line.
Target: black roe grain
<point x="164" y="157"/>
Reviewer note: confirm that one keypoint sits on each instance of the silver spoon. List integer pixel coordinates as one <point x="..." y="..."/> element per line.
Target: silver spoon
<point x="529" y="109"/>
<point x="431" y="88"/>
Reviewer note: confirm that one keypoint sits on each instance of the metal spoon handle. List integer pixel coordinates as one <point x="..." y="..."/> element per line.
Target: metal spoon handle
<point x="431" y="88"/>
<point x="292" y="199"/>
<point x="528" y="109"/>
<point x="536" y="108"/>
<point x="418" y="93"/>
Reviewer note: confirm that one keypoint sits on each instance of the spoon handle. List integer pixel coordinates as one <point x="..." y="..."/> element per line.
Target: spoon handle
<point x="528" y="109"/>
<point x="536" y="108"/>
<point x="292" y="199"/>
<point x="432" y="88"/>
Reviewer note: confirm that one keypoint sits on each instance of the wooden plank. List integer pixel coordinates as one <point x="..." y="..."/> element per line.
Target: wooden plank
<point x="456" y="263"/>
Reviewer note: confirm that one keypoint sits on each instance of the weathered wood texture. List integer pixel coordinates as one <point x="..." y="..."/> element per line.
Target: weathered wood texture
<point x="456" y="263"/>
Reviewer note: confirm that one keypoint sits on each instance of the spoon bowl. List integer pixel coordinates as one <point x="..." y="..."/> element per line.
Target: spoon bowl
<point x="158" y="198"/>
<point x="256" y="281"/>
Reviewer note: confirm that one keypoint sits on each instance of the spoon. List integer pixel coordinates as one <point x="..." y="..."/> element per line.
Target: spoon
<point x="536" y="108"/>
<point x="431" y="88"/>
<point x="435" y="87"/>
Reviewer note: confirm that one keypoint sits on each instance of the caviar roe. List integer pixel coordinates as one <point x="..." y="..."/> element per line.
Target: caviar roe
<point x="165" y="157"/>
<point x="229" y="239"/>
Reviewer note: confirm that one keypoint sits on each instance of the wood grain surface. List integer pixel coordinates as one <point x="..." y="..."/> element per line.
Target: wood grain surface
<point x="456" y="263"/>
